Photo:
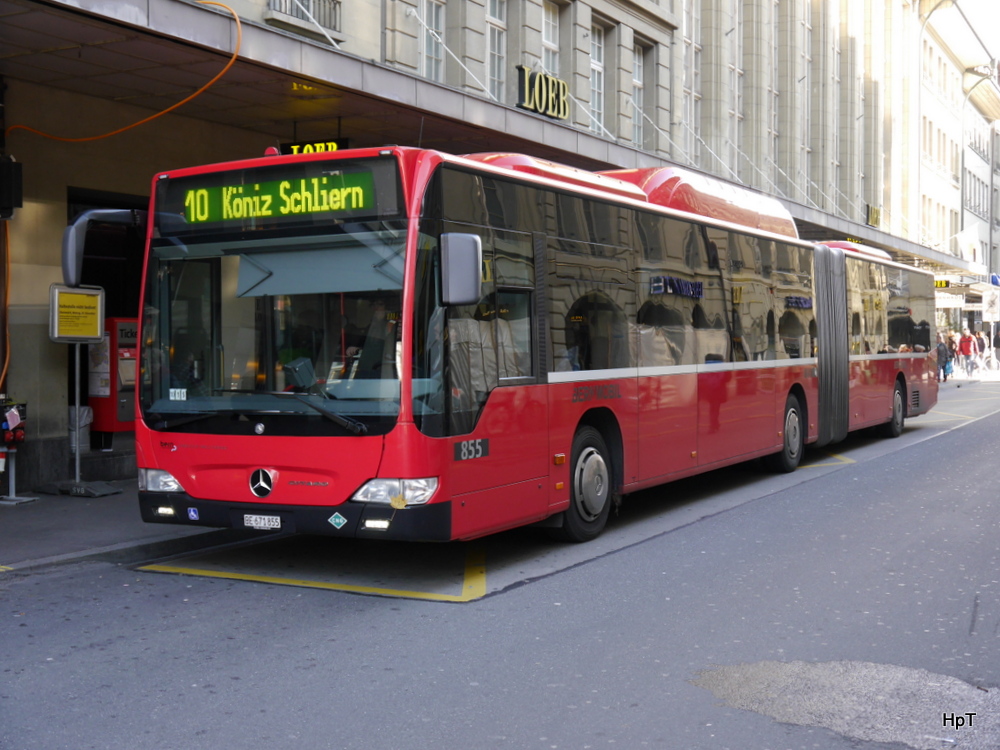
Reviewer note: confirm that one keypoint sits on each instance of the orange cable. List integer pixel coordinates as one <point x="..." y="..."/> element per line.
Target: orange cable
<point x="6" y="307"/>
<point x="199" y="92"/>
<point x="6" y="225"/>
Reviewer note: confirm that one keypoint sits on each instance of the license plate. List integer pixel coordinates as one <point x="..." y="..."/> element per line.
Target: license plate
<point x="262" y="523"/>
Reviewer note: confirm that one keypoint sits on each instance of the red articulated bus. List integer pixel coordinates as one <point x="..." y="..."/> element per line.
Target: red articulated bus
<point x="399" y="343"/>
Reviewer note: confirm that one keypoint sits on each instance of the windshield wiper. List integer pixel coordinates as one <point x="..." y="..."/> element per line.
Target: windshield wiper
<point x="353" y="425"/>
<point x="349" y="424"/>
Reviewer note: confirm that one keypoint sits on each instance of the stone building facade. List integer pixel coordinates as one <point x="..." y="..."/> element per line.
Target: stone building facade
<point x="871" y="120"/>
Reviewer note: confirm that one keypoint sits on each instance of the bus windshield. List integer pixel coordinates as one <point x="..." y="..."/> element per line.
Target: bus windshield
<point x="271" y="327"/>
<point x="237" y="330"/>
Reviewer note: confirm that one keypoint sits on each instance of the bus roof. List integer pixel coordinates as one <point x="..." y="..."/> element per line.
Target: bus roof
<point x="872" y="252"/>
<point x="560" y="172"/>
<point x="671" y="187"/>
<point x="699" y="194"/>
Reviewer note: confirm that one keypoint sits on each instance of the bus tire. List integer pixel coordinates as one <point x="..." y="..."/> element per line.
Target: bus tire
<point x="590" y="491"/>
<point x="894" y="427"/>
<point x="788" y="458"/>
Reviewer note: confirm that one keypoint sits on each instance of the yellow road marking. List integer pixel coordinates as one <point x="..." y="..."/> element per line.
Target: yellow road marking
<point x="972" y="398"/>
<point x="473" y="585"/>
<point x="4" y="567"/>
<point x="840" y="460"/>
<point x="947" y="414"/>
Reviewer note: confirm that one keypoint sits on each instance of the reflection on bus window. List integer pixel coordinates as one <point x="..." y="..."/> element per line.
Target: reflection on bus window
<point x="597" y="335"/>
<point x="663" y="336"/>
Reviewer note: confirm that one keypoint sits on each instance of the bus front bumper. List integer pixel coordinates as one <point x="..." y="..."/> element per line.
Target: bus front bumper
<point x="427" y="523"/>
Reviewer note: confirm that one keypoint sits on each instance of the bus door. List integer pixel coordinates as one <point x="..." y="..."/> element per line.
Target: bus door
<point x="496" y="413"/>
<point x="668" y="385"/>
<point x="667" y="353"/>
<point x="736" y="392"/>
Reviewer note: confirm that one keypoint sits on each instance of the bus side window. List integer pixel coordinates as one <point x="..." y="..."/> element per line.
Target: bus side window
<point x="661" y="335"/>
<point x="468" y="379"/>
<point x="513" y="334"/>
<point x="597" y="334"/>
<point x="857" y="302"/>
<point x="792" y="282"/>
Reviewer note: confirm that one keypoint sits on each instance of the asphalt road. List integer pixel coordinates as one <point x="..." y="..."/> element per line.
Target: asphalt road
<point x="856" y="604"/>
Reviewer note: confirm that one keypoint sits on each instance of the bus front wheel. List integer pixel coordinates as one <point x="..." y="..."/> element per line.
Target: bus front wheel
<point x="590" y="488"/>
<point x="787" y="459"/>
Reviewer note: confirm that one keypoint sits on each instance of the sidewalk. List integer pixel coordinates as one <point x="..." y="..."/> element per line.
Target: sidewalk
<point x="63" y="528"/>
<point x="980" y="375"/>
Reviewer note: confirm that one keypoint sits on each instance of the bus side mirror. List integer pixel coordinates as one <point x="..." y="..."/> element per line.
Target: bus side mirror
<point x="76" y="233"/>
<point x="461" y="269"/>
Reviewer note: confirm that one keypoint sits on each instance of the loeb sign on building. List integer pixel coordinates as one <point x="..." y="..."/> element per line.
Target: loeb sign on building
<point x="542" y="93"/>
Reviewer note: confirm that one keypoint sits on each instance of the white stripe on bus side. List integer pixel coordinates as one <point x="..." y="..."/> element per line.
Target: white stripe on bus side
<point x="583" y="376"/>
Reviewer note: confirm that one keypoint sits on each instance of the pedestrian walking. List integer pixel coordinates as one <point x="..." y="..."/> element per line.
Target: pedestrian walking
<point x="969" y="350"/>
<point x="983" y="347"/>
<point x="944" y="365"/>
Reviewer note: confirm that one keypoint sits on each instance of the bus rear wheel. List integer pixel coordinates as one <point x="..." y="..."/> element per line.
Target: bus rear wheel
<point x="788" y="458"/>
<point x="590" y="488"/>
<point x="894" y="427"/>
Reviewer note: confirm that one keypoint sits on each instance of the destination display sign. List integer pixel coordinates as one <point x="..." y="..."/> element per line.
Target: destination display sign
<point x="258" y="200"/>
<point x="286" y="194"/>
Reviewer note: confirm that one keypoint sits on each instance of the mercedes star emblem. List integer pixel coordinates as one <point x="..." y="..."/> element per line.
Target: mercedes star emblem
<point x="261" y="483"/>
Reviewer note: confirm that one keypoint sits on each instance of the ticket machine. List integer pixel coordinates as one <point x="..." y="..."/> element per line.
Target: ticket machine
<point x="113" y="366"/>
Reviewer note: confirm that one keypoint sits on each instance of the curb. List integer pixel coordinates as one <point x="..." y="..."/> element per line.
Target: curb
<point x="130" y="553"/>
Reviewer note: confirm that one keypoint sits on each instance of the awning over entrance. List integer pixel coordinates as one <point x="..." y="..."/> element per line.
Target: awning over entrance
<point x="155" y="54"/>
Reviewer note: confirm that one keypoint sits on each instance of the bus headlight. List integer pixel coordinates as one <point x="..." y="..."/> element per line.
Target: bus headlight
<point x="413" y="491"/>
<point x="157" y="480"/>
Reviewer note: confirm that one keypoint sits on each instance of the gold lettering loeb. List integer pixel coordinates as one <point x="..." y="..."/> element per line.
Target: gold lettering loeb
<point x="542" y="93"/>
<point x="312" y="148"/>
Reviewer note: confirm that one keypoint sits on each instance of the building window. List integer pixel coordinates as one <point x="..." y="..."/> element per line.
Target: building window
<point x="638" y="93"/>
<point x="805" y="91"/>
<point x="597" y="79"/>
<point x="496" y="47"/>
<point x="295" y="16"/>
<point x="432" y="49"/>
<point x="550" y="38"/>
<point x="774" y="88"/>
<point x="736" y="77"/>
<point x="692" y="93"/>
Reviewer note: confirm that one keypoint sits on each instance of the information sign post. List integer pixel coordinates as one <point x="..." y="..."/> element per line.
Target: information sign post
<point x="76" y="316"/>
